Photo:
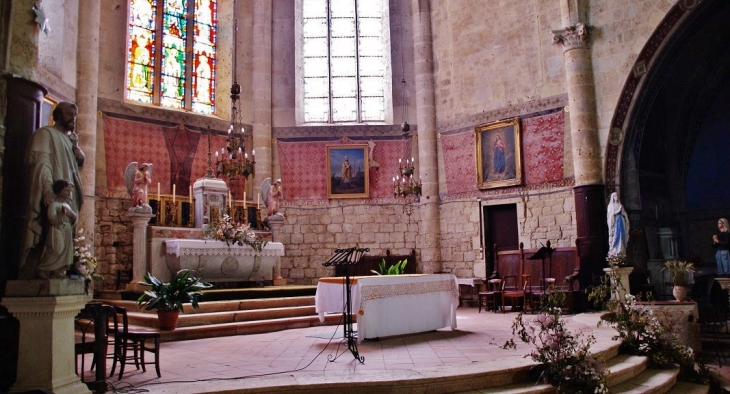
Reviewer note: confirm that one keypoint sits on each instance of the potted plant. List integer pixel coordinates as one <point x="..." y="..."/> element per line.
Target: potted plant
<point x="680" y="274"/>
<point x="168" y="298"/>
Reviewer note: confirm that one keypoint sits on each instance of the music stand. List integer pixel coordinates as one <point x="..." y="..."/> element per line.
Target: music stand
<point x="545" y="252"/>
<point x="347" y="257"/>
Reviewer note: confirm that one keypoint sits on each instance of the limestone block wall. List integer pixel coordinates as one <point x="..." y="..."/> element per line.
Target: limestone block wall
<point x="313" y="232"/>
<point x="113" y="239"/>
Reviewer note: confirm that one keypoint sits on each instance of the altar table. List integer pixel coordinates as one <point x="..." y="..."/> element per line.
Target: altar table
<point x="393" y="304"/>
<point x="214" y="261"/>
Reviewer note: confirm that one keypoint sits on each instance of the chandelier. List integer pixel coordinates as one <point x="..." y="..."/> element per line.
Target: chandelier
<point x="233" y="160"/>
<point x="405" y="186"/>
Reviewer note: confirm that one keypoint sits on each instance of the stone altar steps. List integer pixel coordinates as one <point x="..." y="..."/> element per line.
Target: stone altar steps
<point x="236" y="317"/>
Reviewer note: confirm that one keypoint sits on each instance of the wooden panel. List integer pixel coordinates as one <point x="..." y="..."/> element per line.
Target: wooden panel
<point x="564" y="262"/>
<point x="369" y="263"/>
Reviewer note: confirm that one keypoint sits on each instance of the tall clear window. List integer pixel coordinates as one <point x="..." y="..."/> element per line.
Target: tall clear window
<point x="171" y="57"/>
<point x="343" y="52"/>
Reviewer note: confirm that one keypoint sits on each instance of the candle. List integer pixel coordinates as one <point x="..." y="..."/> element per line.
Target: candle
<point x="173" y="194"/>
<point x="258" y="201"/>
<point x="190" y="188"/>
<point x="158" y="193"/>
<point x="244" y="201"/>
<point x="229" y="200"/>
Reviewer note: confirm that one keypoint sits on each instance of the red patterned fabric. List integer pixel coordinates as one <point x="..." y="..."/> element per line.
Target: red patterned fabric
<point x="542" y="138"/>
<point x="127" y="141"/>
<point x="304" y="167"/>
<point x="459" y="161"/>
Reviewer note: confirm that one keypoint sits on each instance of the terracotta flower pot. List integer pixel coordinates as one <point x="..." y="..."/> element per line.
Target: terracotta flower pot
<point x="680" y="292"/>
<point x="168" y="319"/>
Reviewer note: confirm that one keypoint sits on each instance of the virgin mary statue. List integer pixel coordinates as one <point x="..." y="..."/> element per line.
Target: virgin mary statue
<point x="618" y="227"/>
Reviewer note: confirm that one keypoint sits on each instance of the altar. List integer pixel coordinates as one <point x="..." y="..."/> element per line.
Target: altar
<point x="393" y="304"/>
<point x="214" y="261"/>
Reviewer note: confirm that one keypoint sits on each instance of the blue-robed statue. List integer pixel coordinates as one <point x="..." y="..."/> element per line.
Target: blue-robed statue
<point x="618" y="226"/>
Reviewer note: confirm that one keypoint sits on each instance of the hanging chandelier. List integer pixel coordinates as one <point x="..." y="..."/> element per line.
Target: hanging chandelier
<point x="405" y="185"/>
<point x="233" y="160"/>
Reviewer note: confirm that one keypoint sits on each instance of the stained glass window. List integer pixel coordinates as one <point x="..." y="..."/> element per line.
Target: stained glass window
<point x="344" y="69"/>
<point x="166" y="67"/>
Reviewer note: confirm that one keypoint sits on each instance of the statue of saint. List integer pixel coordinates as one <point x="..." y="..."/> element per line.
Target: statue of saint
<point x="272" y="195"/>
<point x="53" y="154"/>
<point x="618" y="227"/>
<point x="59" y="245"/>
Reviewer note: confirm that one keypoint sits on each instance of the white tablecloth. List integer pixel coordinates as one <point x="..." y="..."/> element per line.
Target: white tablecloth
<point x="393" y="304"/>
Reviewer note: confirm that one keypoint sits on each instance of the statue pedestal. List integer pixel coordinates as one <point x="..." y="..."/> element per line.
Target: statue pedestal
<point x="46" y="357"/>
<point x="275" y="222"/>
<point x="139" y="254"/>
<point x="623" y="288"/>
<point x="683" y="319"/>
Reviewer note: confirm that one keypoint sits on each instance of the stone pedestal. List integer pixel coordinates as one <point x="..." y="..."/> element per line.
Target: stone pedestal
<point x="623" y="289"/>
<point x="211" y="196"/>
<point x="682" y="317"/>
<point x="139" y="242"/>
<point x="46" y="345"/>
<point x="275" y="222"/>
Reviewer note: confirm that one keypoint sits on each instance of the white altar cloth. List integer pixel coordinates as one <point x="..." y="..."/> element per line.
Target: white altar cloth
<point x="214" y="261"/>
<point x="393" y="304"/>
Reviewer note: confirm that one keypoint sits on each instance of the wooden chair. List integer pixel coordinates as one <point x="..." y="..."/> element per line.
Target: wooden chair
<point x="517" y="290"/>
<point x="542" y="291"/>
<point x="136" y="340"/>
<point x="90" y="338"/>
<point x="492" y="297"/>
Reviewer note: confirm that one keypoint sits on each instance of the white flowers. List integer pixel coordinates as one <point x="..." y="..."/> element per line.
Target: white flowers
<point x="84" y="261"/>
<point x="234" y="233"/>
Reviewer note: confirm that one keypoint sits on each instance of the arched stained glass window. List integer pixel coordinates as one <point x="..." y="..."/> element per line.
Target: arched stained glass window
<point x="164" y="65"/>
<point x="343" y="51"/>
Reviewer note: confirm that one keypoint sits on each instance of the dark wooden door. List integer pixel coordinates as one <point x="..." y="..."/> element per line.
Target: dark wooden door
<point x="500" y="229"/>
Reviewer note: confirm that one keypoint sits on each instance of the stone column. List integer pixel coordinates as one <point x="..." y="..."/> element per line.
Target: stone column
<point x="139" y="253"/>
<point x="275" y="223"/>
<point x="261" y="83"/>
<point x="590" y="206"/>
<point x="429" y="225"/>
<point x="622" y="288"/>
<point x="87" y="70"/>
<point x="46" y="311"/>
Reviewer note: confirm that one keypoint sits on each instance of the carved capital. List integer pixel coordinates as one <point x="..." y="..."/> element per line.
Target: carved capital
<point x="572" y="37"/>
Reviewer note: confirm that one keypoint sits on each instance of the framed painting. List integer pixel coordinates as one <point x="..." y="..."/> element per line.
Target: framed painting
<point x="499" y="157"/>
<point x="347" y="171"/>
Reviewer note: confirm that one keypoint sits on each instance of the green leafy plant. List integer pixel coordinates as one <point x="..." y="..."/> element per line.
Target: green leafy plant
<point x="183" y="288"/>
<point x="396" y="269"/>
<point x="565" y="360"/>
<point x="679" y="272"/>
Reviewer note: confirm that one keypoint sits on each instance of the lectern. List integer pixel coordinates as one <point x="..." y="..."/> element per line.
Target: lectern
<point x="545" y="252"/>
<point x="345" y="258"/>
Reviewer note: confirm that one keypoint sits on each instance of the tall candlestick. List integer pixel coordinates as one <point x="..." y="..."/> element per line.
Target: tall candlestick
<point x="173" y="194"/>
<point x="229" y="200"/>
<point x="244" y="201"/>
<point x="190" y="189"/>
<point x="158" y="193"/>
<point x="258" y="201"/>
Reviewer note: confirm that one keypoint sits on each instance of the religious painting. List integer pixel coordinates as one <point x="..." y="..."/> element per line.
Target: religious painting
<point x="347" y="171"/>
<point x="498" y="154"/>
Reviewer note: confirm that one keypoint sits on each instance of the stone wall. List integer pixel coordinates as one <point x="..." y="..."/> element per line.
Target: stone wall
<point x="312" y="233"/>
<point x="113" y="239"/>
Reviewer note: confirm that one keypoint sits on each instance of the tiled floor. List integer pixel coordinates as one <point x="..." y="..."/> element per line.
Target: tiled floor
<point x="239" y="360"/>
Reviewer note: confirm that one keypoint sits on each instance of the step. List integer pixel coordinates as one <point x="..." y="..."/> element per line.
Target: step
<point x="519" y="388"/>
<point x="245" y="328"/>
<point x="149" y="319"/>
<point x="651" y="381"/>
<point x="689" y="388"/>
<point x="624" y="367"/>
<point x="232" y="305"/>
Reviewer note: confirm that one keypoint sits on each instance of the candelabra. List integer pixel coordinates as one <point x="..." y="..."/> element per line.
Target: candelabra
<point x="405" y="186"/>
<point x="233" y="160"/>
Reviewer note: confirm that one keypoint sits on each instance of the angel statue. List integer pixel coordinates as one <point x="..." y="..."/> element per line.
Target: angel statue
<point x="137" y="180"/>
<point x="272" y="195"/>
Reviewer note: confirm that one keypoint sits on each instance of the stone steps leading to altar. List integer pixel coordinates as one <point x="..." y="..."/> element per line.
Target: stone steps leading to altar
<point x="237" y="317"/>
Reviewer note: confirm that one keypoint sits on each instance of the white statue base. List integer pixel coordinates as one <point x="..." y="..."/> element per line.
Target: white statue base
<point x="46" y="355"/>
<point x="624" y="289"/>
<point x="275" y="222"/>
<point x="139" y="252"/>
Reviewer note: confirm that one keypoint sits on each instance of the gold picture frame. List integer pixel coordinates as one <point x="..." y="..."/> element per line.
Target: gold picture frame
<point x="351" y="180"/>
<point x="499" y="154"/>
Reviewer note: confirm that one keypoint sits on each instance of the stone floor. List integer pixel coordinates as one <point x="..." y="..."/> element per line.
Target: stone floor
<point x="248" y="360"/>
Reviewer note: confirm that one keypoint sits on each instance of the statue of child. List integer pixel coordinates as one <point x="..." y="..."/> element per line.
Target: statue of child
<point x="58" y="251"/>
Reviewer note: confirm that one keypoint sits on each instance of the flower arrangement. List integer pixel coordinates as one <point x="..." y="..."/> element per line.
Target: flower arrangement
<point x="616" y="259"/>
<point x="230" y="232"/>
<point x="565" y="361"/>
<point x="680" y="272"/>
<point x="84" y="261"/>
